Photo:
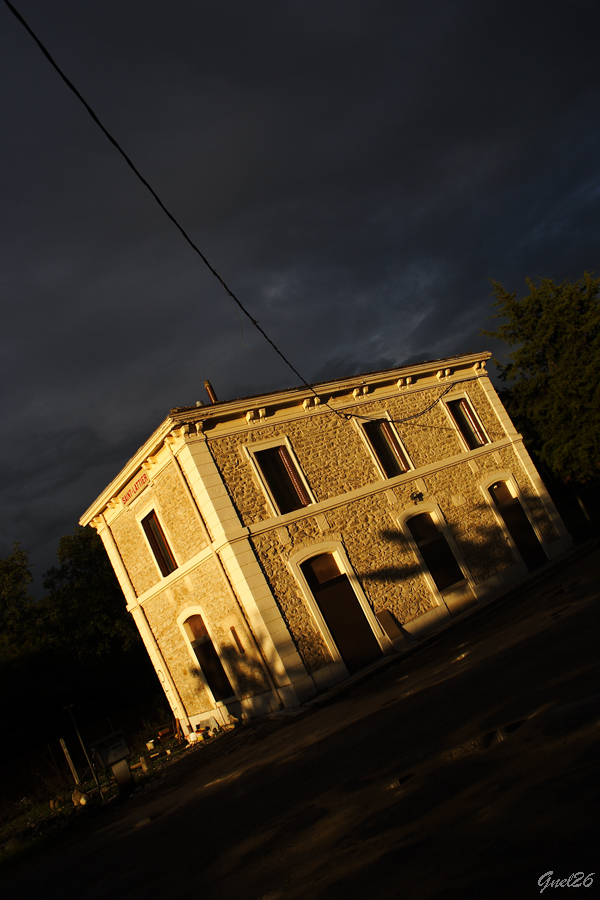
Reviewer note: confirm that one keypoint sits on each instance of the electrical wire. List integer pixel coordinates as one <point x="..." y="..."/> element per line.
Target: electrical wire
<point x="149" y="187"/>
<point x="230" y="295"/>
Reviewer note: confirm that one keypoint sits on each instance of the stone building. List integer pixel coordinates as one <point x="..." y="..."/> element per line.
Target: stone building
<point x="270" y="546"/>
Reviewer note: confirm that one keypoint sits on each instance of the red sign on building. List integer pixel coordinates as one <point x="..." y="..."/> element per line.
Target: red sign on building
<point x="134" y="487"/>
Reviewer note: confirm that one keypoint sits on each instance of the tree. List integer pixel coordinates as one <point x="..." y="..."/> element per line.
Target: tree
<point x="553" y="375"/>
<point x="85" y="608"/>
<point x="15" y="601"/>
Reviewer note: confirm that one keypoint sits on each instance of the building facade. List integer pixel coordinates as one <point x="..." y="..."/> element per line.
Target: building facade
<point x="271" y="546"/>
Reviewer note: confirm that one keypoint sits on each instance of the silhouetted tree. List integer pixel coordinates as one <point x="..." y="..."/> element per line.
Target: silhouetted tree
<point x="15" y="601"/>
<point x="85" y="608"/>
<point x="553" y="374"/>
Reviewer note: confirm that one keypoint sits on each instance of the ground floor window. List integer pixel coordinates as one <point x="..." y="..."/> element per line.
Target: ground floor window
<point x="208" y="658"/>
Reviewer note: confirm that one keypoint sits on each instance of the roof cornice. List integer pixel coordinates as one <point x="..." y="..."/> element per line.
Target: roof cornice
<point x="291" y="396"/>
<point x="408" y="376"/>
<point x="154" y="442"/>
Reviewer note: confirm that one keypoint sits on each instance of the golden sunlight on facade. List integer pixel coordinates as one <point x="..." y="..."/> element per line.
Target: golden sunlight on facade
<point x="270" y="547"/>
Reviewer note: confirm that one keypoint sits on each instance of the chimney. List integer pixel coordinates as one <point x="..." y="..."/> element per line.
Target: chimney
<point x="210" y="392"/>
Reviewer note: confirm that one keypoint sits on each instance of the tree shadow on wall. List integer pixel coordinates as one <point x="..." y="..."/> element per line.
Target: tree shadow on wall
<point x="472" y="541"/>
<point x="246" y="669"/>
<point x="239" y="670"/>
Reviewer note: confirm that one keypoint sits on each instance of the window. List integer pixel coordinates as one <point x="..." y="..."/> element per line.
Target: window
<point x="208" y="658"/>
<point x="467" y="423"/>
<point x="518" y="525"/>
<point x="435" y="550"/>
<point x="386" y="447"/>
<point x="158" y="543"/>
<point x="282" y="478"/>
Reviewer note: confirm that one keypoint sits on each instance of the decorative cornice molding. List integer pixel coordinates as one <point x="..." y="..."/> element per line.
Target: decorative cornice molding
<point x="191" y="423"/>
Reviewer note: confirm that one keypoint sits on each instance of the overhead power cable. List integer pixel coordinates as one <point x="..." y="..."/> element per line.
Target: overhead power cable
<point x="182" y="230"/>
<point x="149" y="187"/>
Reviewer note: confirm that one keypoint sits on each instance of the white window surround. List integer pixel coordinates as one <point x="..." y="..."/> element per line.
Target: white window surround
<point x="434" y="510"/>
<point x="181" y="618"/>
<point x="141" y="514"/>
<point x="464" y="396"/>
<point x="359" y="421"/>
<point x="338" y="552"/>
<point x="509" y="479"/>
<point x="249" y="451"/>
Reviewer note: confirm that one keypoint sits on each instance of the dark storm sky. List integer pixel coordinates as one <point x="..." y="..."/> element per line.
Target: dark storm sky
<point x="357" y="171"/>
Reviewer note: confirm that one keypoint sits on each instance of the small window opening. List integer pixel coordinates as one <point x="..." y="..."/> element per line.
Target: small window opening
<point x="386" y="447"/>
<point x="467" y="423"/>
<point x="158" y="543"/>
<point x="282" y="478"/>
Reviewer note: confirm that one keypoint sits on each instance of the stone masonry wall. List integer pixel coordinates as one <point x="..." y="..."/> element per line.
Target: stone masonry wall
<point x="178" y="514"/>
<point x="380" y="554"/>
<point x="204" y="587"/>
<point x="136" y="556"/>
<point x="332" y="454"/>
<point x="165" y="494"/>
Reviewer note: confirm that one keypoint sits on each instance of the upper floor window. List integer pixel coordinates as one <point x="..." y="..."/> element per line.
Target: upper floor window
<point x="386" y="447"/>
<point x="282" y="478"/>
<point x="158" y="542"/>
<point x="467" y="423"/>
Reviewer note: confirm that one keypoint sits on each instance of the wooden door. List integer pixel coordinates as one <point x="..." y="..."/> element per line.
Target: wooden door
<point x="341" y="609"/>
<point x="518" y="526"/>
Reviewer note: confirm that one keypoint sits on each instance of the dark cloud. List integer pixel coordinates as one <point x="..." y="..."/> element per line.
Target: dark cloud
<point x="357" y="171"/>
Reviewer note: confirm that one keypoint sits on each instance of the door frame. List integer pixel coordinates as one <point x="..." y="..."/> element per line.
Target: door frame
<point x="427" y="506"/>
<point x="337" y="550"/>
<point x="511" y="481"/>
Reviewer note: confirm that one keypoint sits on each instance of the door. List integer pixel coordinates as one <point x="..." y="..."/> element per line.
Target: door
<point x="208" y="658"/>
<point x="341" y="609"/>
<point x="441" y="563"/>
<point x="518" y="525"/>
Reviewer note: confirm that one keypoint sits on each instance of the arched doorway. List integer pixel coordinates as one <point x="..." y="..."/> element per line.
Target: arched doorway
<point x="208" y="658"/>
<point x="518" y="525"/>
<point x="342" y="611"/>
<point x="435" y="550"/>
<point x="441" y="563"/>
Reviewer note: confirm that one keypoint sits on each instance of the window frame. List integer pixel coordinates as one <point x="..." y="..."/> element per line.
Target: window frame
<point x="252" y="449"/>
<point x="181" y="620"/>
<point x="438" y="517"/>
<point x="383" y="417"/>
<point x="149" y="510"/>
<point x="509" y="479"/>
<point x="338" y="552"/>
<point x="456" y="398"/>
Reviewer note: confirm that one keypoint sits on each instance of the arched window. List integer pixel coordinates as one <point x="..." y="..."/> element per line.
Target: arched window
<point x="208" y="658"/>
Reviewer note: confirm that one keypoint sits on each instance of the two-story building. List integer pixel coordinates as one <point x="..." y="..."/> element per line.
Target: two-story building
<point x="270" y="546"/>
